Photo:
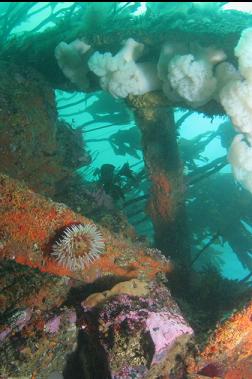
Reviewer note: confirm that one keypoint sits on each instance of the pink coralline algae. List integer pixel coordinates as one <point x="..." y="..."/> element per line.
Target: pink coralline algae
<point x="165" y="328"/>
<point x="17" y="322"/>
<point x="66" y="317"/>
<point x="4" y="334"/>
<point x="140" y="334"/>
<point x="52" y="326"/>
<point x="131" y="372"/>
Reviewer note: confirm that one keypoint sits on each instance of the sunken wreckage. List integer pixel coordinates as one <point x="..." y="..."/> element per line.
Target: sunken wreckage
<point x="119" y="306"/>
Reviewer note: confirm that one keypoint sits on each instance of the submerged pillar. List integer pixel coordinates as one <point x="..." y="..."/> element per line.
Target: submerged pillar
<point x="166" y="205"/>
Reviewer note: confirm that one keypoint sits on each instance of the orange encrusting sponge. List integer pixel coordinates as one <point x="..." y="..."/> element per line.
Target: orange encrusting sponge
<point x="29" y="225"/>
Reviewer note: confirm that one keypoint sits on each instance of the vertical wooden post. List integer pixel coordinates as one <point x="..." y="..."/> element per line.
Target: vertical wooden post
<point x="166" y="204"/>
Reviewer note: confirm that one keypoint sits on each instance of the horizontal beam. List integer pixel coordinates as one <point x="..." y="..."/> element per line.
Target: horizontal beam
<point x="29" y="225"/>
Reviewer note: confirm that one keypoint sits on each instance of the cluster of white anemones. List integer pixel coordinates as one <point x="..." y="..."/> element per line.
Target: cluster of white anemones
<point x="191" y="74"/>
<point x="236" y="98"/>
<point x="183" y="72"/>
<point x="78" y="246"/>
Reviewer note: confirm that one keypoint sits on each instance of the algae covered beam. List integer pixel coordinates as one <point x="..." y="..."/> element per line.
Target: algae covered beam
<point x="227" y="353"/>
<point x="166" y="204"/>
<point x="31" y="226"/>
<point x="104" y="29"/>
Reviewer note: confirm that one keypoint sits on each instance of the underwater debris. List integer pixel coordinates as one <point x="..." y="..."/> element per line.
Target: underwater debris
<point x="166" y="204"/>
<point x="141" y="333"/>
<point x="228" y="352"/>
<point x="29" y="223"/>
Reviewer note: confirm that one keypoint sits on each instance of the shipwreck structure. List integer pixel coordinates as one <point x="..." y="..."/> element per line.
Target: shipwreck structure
<point x="60" y="319"/>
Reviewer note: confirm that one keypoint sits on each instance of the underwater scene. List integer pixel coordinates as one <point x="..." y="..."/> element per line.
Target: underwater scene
<point x="126" y="190"/>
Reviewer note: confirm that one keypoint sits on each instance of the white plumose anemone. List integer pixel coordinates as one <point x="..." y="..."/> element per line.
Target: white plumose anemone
<point x="121" y="75"/>
<point x="72" y="60"/>
<point x="192" y="79"/>
<point x="243" y="52"/>
<point x="236" y="99"/>
<point x="79" y="246"/>
<point x="187" y="72"/>
<point x="240" y="158"/>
